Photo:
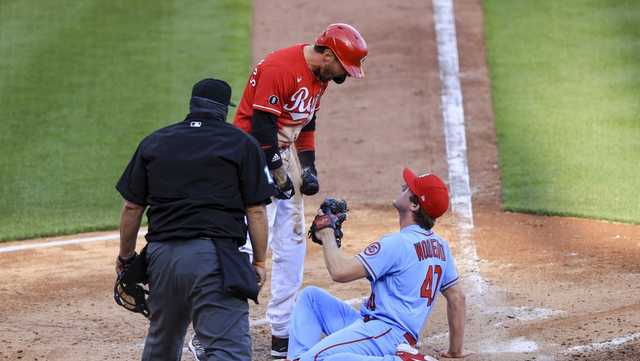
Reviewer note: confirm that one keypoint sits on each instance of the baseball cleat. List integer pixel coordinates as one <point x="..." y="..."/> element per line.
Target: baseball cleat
<point x="408" y="353"/>
<point x="279" y="347"/>
<point x="196" y="349"/>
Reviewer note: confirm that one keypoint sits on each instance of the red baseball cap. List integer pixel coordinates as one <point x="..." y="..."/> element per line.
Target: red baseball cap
<point x="431" y="191"/>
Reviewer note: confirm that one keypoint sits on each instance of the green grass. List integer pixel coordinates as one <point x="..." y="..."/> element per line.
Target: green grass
<point x="565" y="85"/>
<point x="82" y="82"/>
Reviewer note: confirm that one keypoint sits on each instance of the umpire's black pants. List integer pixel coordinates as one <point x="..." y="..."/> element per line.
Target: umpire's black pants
<point x="185" y="284"/>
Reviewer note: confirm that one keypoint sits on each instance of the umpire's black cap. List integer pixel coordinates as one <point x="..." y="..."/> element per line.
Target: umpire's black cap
<point x="213" y="89"/>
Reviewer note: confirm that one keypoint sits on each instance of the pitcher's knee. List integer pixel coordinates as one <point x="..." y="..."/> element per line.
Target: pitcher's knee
<point x="309" y="293"/>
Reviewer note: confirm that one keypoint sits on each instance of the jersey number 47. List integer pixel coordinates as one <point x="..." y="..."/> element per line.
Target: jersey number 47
<point x="429" y="289"/>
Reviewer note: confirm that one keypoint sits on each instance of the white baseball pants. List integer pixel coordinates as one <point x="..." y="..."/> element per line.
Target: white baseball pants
<point x="288" y="247"/>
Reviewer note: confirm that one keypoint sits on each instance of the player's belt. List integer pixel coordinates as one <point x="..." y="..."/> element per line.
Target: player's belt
<point x="407" y="336"/>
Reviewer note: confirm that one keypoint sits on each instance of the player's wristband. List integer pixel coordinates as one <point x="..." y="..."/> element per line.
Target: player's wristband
<point x="272" y="156"/>
<point x="307" y="158"/>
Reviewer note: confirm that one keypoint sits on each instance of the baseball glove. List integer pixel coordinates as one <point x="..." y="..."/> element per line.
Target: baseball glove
<point x="335" y="213"/>
<point x="129" y="291"/>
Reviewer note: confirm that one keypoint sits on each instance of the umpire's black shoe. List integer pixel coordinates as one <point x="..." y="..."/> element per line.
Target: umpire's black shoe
<point x="279" y="347"/>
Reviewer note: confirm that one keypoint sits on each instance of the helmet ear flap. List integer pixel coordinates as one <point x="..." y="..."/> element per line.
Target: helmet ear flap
<point x="330" y="54"/>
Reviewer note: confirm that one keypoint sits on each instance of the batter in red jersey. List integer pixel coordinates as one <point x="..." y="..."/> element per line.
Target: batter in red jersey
<point x="279" y="108"/>
<point x="289" y="91"/>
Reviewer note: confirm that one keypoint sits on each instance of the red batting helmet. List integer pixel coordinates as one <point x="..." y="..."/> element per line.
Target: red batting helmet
<point x="348" y="45"/>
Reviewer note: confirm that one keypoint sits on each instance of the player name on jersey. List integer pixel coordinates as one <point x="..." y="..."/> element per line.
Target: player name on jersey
<point x="429" y="248"/>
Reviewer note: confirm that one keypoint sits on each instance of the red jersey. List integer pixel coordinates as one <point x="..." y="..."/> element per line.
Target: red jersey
<point x="282" y="84"/>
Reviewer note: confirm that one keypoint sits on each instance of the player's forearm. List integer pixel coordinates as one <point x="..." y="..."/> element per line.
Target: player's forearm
<point x="306" y="144"/>
<point x="264" y="128"/>
<point x="333" y="257"/>
<point x="307" y="158"/>
<point x="130" y="220"/>
<point x="456" y="308"/>
<point x="258" y="231"/>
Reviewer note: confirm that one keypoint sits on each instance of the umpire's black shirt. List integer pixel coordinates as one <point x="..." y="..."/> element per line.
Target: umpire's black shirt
<point x="197" y="177"/>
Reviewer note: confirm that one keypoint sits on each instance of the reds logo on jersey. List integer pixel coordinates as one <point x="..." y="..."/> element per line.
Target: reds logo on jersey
<point x="284" y="86"/>
<point x="301" y="106"/>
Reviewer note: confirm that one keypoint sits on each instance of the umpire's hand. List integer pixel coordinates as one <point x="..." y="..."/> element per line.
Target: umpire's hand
<point x="123" y="262"/>
<point x="261" y="272"/>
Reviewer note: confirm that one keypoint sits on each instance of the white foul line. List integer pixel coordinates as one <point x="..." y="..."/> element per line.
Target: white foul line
<point x="452" y="111"/>
<point x="453" y="117"/>
<point x="607" y="345"/>
<point x="47" y="244"/>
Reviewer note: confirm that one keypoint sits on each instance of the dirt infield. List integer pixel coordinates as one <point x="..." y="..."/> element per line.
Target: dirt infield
<point x="549" y="288"/>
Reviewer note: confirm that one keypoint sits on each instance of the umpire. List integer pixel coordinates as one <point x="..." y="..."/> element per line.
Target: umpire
<point x="199" y="178"/>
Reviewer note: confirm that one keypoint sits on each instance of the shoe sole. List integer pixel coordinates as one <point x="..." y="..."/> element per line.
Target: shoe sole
<point x="278" y="355"/>
<point x="192" y="349"/>
<point x="413" y="351"/>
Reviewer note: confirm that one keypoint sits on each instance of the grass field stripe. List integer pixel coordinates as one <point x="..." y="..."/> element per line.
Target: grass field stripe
<point x="65" y="242"/>
<point x="58" y="175"/>
<point x="456" y="144"/>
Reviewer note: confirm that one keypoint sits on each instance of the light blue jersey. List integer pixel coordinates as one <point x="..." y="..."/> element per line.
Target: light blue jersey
<point x="407" y="269"/>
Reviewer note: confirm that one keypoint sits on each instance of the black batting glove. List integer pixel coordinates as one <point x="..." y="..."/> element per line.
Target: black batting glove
<point x="286" y="190"/>
<point x="310" y="185"/>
